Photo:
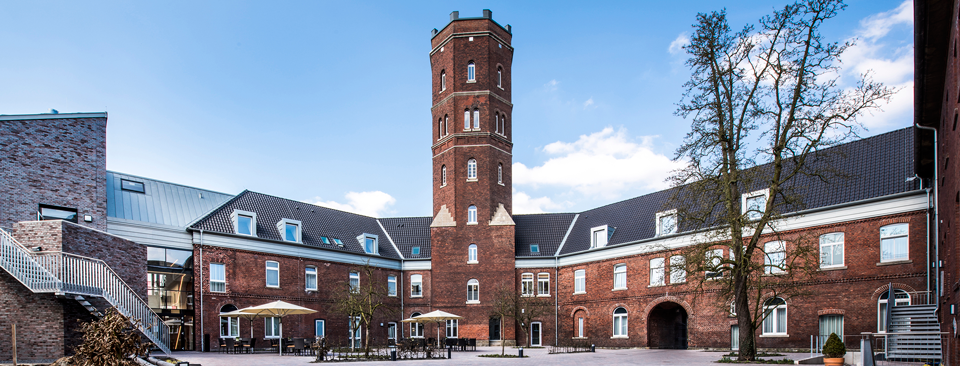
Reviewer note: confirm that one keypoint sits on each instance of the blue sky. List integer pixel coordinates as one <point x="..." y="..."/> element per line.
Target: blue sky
<point x="328" y="102"/>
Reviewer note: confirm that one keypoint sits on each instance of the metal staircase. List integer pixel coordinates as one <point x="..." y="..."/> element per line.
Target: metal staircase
<point x="913" y="331"/>
<point x="79" y="278"/>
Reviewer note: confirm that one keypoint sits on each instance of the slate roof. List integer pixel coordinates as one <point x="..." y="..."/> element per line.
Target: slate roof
<point x="317" y="222"/>
<point x="546" y="230"/>
<point x="874" y="167"/>
<point x="161" y="203"/>
<point x="409" y="232"/>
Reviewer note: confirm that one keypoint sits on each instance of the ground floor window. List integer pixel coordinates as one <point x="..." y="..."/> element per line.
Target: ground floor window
<point x="229" y="326"/>
<point x="830" y="324"/>
<point x="620" y="322"/>
<point x="535" y="334"/>
<point x="580" y="327"/>
<point x="320" y="328"/>
<point x="416" y="329"/>
<point x="392" y="331"/>
<point x="775" y="311"/>
<point x="735" y="338"/>
<point x="355" y="334"/>
<point x="271" y="327"/>
<point x="452" y="331"/>
<point x="902" y="298"/>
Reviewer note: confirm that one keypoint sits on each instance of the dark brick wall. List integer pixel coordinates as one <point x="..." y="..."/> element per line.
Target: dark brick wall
<point x="59" y="162"/>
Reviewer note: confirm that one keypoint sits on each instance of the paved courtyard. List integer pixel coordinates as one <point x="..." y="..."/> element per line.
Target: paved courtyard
<point x="536" y="357"/>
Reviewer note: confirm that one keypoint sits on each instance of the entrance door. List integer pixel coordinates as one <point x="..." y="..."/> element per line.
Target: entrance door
<point x="535" y="340"/>
<point x="494" y="329"/>
<point x="735" y="338"/>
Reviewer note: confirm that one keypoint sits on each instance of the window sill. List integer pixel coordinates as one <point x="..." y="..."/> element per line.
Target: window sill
<point x="473" y="180"/>
<point x="473" y="301"/>
<point x="579" y="338"/>
<point x="311" y="290"/>
<point x="501" y="184"/>
<point x="547" y="295"/>
<point x="660" y="285"/>
<point x="472" y="262"/>
<point x="833" y="268"/>
<point x="273" y="287"/>
<point x="443" y="185"/>
<point x="471" y="223"/>
<point x="471" y="81"/>
<point x="501" y="88"/>
<point x="774" y="335"/>
<point x="526" y="295"/>
<point x="415" y="296"/>
<point x="619" y="289"/>
<point x="580" y="293"/>
<point x="890" y="263"/>
<point x="620" y="337"/>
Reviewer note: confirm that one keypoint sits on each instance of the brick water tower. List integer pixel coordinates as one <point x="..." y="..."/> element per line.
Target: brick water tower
<point x="472" y="234"/>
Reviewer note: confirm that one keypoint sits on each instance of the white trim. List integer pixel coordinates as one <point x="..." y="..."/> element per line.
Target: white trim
<point x="242" y="242"/>
<point x="282" y="225"/>
<point x="567" y="235"/>
<point x="253" y="222"/>
<point x="25" y="117"/>
<point x="594" y="244"/>
<point x="743" y="198"/>
<point x="390" y="239"/>
<point x="417" y="265"/>
<point x="266" y="277"/>
<point x="661" y="214"/>
<point x="362" y="238"/>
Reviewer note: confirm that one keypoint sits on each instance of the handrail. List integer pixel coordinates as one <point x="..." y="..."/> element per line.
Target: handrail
<point x="891" y="302"/>
<point x="62" y="273"/>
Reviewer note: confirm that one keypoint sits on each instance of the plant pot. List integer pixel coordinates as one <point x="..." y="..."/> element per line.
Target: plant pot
<point x="833" y="361"/>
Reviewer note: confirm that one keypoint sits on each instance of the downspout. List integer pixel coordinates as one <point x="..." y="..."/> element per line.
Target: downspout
<point x="936" y="218"/>
<point x="556" y="301"/>
<point x="400" y="293"/>
<point x="201" y="291"/>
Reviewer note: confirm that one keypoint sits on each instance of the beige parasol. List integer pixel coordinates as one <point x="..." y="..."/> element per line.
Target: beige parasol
<point x="433" y="316"/>
<point x="248" y="316"/>
<point x="277" y="309"/>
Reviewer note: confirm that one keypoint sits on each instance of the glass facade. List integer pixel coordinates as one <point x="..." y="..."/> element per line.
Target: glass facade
<point x="170" y="292"/>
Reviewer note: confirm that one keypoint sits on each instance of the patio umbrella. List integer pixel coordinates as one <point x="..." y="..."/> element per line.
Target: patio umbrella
<point x="433" y="316"/>
<point x="277" y="309"/>
<point x="237" y="313"/>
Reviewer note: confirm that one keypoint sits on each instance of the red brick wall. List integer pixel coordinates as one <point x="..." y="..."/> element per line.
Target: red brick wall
<point x="59" y="162"/>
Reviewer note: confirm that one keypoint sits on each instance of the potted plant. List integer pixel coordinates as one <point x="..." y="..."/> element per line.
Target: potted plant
<point x="833" y="351"/>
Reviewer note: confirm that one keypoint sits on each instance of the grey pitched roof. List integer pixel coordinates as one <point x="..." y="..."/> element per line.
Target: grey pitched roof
<point x="873" y="167"/>
<point x="410" y="232"/>
<point x="161" y="203"/>
<point x="545" y="230"/>
<point x="317" y="222"/>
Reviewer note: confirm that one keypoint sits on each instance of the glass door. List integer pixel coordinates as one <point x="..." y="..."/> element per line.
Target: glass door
<point x="535" y="334"/>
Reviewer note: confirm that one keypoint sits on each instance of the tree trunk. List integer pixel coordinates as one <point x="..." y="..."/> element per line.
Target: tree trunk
<point x="748" y="346"/>
<point x="366" y="342"/>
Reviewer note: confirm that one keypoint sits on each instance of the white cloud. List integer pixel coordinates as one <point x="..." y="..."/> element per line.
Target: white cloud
<point x="551" y="85"/>
<point x="602" y="164"/>
<point x="588" y="103"/>
<point x="524" y="204"/>
<point x="677" y="45"/>
<point x="878" y="25"/>
<point x="373" y="203"/>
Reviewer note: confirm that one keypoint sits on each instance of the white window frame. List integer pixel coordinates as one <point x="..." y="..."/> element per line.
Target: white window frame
<point x="355" y="335"/>
<point x="534" y="248"/>
<point x="282" y="229"/>
<point x="500" y="173"/>
<point x="889" y="237"/>
<point x="234" y="216"/>
<point x="471" y="72"/>
<point x="527" y="284"/>
<point x="678" y="271"/>
<point x="621" y="327"/>
<point x="272" y="328"/>
<point x="354" y="281"/>
<point x="580" y="281"/>
<point x="543" y="284"/>
<point x="392" y="285"/>
<point x="218" y="277"/>
<point x="392" y="330"/>
<point x="321" y="325"/>
<point x="882" y="307"/>
<point x="363" y="243"/>
<point x="538" y="341"/>
<point x="416" y="285"/>
<point x="598" y="236"/>
<point x="416" y="329"/>
<point x="580" y="327"/>
<point x="715" y="256"/>
<point x="443" y="176"/>
<point x="472" y="169"/>
<point x="744" y="198"/>
<point x="276" y="269"/>
<point x="466" y="120"/>
<point x="829" y="248"/>
<point x="500" y="77"/>
<point x="661" y="231"/>
<point x="443" y="80"/>
<point x="658" y="272"/>
<point x="774" y="319"/>
<point x="472" y="254"/>
<point x="233" y="326"/>
<point x="307" y="275"/>
<point x="620" y="276"/>
<point x="473" y="291"/>
<point x="472" y="215"/>
<point x="773" y="265"/>
<point x="476" y="118"/>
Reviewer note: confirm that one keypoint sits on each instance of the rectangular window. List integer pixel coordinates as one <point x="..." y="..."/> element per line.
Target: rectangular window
<point x="713" y="258"/>
<point x="775" y="322"/>
<point x="830" y="324"/>
<point x="678" y="273"/>
<point x="416" y="285"/>
<point x="774" y="258"/>
<point x="543" y="284"/>
<point x="754" y="204"/>
<point x="325" y="240"/>
<point x="534" y="248"/>
<point x="391" y="285"/>
<point x="476" y="118"/>
<point x="229" y="327"/>
<point x="392" y="331"/>
<point x="48" y="212"/>
<point x="370" y="245"/>
<point x="666" y="222"/>
<point x="831" y="250"/>
<point x="452" y="331"/>
<point x="415" y="251"/>
<point x="273" y="274"/>
<point x="356" y="334"/>
<point x="466" y="120"/>
<point x="472" y="253"/>
<point x="244" y="224"/>
<point x="355" y="281"/>
<point x="598" y="237"/>
<point x="473" y="291"/>
<point x="338" y="242"/>
<point x="620" y="277"/>
<point x="580" y="281"/>
<point x="526" y="284"/>
<point x="894" y="245"/>
<point x="218" y="278"/>
<point x="319" y="328"/>
<point x="290" y="233"/>
<point x="580" y="327"/>
<point x="271" y="327"/>
<point x="656" y="272"/>
<point x="311" y="278"/>
<point x="132" y="186"/>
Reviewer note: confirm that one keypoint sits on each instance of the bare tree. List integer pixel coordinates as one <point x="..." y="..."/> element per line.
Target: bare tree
<point x="360" y="302"/>
<point x="768" y="94"/>
<point x="509" y="303"/>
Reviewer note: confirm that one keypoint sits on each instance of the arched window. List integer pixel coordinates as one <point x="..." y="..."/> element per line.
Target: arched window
<point x="443" y="175"/>
<point x="902" y="298"/>
<point x="472" y="169"/>
<point x="416" y="329"/>
<point x="473" y="291"/>
<point x="439" y="128"/>
<point x="496" y="118"/>
<point x="775" y="310"/>
<point x="229" y="326"/>
<point x="476" y="118"/>
<point x="500" y="173"/>
<point x="472" y="254"/>
<point x="620" y="322"/>
<point x="499" y="76"/>
<point x="466" y="119"/>
<point x="446" y="125"/>
<point x="472" y="214"/>
<point x="471" y="72"/>
<point x="443" y="80"/>
<point x="503" y="125"/>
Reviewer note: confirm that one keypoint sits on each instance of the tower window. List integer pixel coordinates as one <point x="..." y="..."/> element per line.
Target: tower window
<point x="443" y="175"/>
<point x="499" y="77"/>
<point x="472" y="254"/>
<point x="473" y="291"/>
<point x="500" y="173"/>
<point x="496" y="119"/>
<point x="503" y="125"/>
<point x="472" y="169"/>
<point x="466" y="119"/>
<point x="476" y="119"/>
<point x="446" y="125"/>
<point x="472" y="215"/>
<point x="439" y="128"/>
<point x="443" y="80"/>
<point x="471" y="72"/>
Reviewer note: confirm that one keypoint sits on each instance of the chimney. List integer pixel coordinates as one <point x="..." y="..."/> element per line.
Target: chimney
<point x="487" y="14"/>
<point x="434" y="32"/>
<point x="509" y="29"/>
<point x="454" y="15"/>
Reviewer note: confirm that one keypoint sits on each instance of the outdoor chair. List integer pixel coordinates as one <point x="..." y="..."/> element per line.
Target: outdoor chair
<point x="449" y="342"/>
<point x="462" y="344"/>
<point x="274" y="343"/>
<point x="431" y="341"/>
<point x="223" y="346"/>
<point x="298" y="346"/>
<point x="242" y="345"/>
<point x="251" y="345"/>
<point x="472" y="343"/>
<point x="231" y="345"/>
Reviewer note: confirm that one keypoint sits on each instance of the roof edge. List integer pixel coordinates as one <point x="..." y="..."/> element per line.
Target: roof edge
<point x="21" y="117"/>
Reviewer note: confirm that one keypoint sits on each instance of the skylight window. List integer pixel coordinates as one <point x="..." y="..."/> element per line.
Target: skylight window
<point x="325" y="240"/>
<point x="340" y="243"/>
<point x="415" y="251"/>
<point x="534" y="248"/>
<point x="132" y="186"/>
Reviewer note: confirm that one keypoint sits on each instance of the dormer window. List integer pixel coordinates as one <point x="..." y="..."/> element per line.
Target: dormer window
<point x="244" y="222"/>
<point x="369" y="242"/>
<point x="290" y="230"/>
<point x="666" y="222"/>
<point x="598" y="237"/>
<point x="754" y="203"/>
<point x="471" y="72"/>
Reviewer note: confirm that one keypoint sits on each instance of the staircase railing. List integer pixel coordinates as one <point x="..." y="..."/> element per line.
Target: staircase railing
<point x="66" y="273"/>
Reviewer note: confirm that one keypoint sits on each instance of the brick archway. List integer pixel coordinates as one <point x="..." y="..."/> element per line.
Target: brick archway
<point x="897" y="286"/>
<point x="668" y="319"/>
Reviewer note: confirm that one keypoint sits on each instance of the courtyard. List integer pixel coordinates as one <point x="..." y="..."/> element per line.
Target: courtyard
<point x="538" y="356"/>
